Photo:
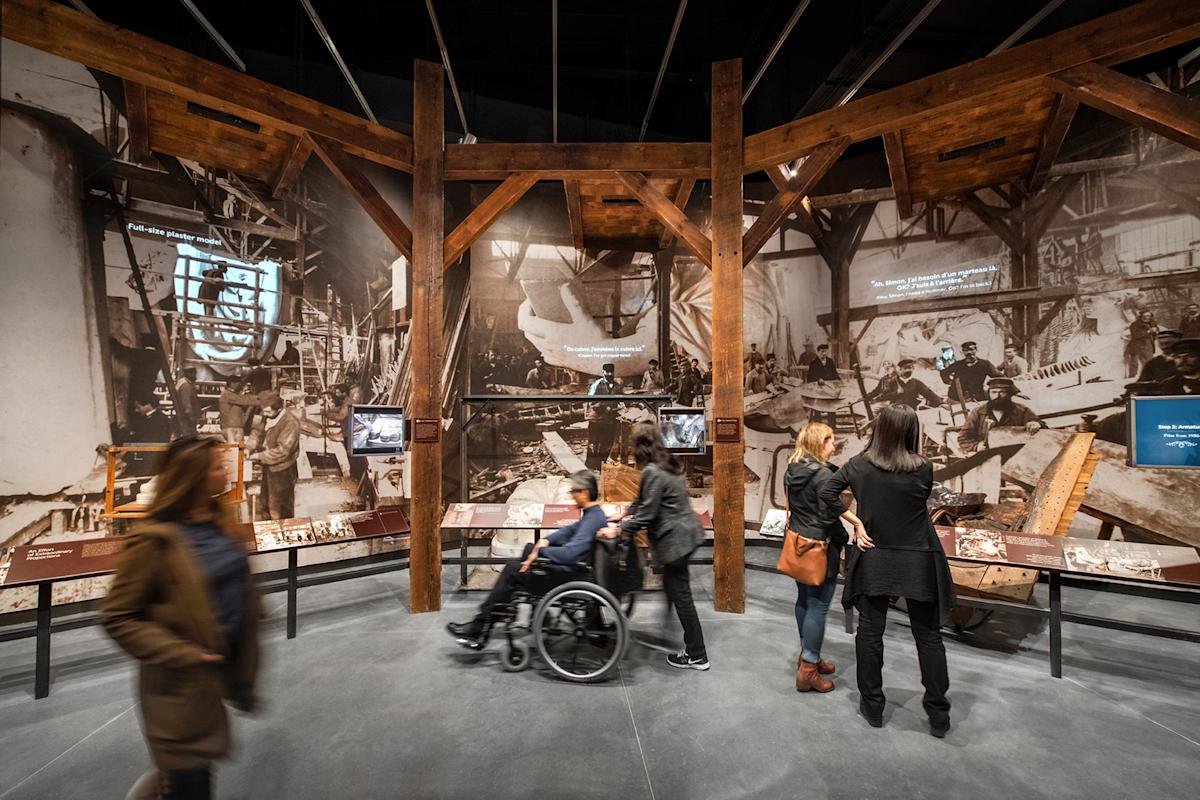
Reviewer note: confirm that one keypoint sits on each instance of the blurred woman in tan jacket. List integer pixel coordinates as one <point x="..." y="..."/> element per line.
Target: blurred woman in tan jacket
<point x="184" y="605"/>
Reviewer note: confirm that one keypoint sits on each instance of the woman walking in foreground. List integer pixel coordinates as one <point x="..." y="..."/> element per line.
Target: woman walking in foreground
<point x="183" y="604"/>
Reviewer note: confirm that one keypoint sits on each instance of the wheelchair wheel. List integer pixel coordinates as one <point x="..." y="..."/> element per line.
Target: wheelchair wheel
<point x="580" y="631"/>
<point x="516" y="657"/>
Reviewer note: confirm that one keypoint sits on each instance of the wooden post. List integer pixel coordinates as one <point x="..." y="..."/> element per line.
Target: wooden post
<point x="425" y="339"/>
<point x="839" y="305"/>
<point x="729" y="559"/>
<point x="663" y="262"/>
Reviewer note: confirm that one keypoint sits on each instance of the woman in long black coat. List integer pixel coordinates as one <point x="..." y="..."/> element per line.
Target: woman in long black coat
<point x="898" y="555"/>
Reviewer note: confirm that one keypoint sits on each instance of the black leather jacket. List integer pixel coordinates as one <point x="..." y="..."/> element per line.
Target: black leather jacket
<point x="807" y="514"/>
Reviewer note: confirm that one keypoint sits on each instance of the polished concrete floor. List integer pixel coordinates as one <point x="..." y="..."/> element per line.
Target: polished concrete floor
<point x="372" y="702"/>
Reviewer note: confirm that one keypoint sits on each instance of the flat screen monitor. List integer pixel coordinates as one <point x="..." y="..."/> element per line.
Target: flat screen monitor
<point x="376" y="430"/>
<point x="1164" y="431"/>
<point x="682" y="429"/>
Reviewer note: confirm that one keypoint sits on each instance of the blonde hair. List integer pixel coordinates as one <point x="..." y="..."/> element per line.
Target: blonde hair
<point x="182" y="481"/>
<point x="810" y="441"/>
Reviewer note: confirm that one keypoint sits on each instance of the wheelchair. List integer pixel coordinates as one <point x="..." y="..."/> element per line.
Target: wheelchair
<point x="577" y="622"/>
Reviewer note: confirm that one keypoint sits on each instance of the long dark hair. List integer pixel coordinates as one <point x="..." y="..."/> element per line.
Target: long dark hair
<point x="182" y="481"/>
<point x="895" y="443"/>
<point x="648" y="449"/>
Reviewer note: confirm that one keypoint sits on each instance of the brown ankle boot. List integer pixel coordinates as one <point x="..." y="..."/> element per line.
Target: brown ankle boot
<point x="808" y="678"/>
<point x="825" y="667"/>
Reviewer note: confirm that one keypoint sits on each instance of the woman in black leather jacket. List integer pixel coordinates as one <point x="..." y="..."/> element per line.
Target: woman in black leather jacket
<point x="811" y="518"/>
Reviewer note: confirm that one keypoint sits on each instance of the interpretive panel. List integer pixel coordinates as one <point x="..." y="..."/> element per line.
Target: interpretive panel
<point x="1087" y="556"/>
<point x="56" y="560"/>
<point x="1164" y="431"/>
<point x="1133" y="560"/>
<point x="367" y="523"/>
<point x="393" y="520"/>
<point x="489" y="515"/>
<point x="555" y="516"/>
<point x="65" y="560"/>
<point x="336" y="528"/>
<point x="267" y="534"/>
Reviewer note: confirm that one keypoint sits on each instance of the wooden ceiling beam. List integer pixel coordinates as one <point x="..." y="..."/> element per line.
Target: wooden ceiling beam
<point x="65" y="32"/>
<point x="853" y="198"/>
<point x="809" y="225"/>
<point x="495" y="162"/>
<point x="788" y="200"/>
<point x="992" y="218"/>
<point x="574" y="212"/>
<point x="138" y="116"/>
<point x="285" y="182"/>
<point x="806" y="221"/>
<point x="682" y="195"/>
<point x="671" y="216"/>
<point x="501" y="199"/>
<point x="1052" y="139"/>
<point x="1173" y="116"/>
<point x="893" y="148"/>
<point x="1138" y="30"/>
<point x="378" y="209"/>
<point x="779" y="177"/>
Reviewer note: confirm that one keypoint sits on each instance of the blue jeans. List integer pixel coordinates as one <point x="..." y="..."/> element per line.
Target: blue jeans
<point x="812" y="606"/>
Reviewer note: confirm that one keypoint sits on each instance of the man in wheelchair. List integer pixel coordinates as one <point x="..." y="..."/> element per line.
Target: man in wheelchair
<point x="560" y="554"/>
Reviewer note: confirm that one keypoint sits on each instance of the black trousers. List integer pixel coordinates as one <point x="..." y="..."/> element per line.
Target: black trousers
<point x="511" y="578"/>
<point x="678" y="587"/>
<point x="923" y="616"/>
<point x="189" y="784"/>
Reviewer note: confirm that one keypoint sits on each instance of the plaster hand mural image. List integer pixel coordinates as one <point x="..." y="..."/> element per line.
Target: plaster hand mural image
<point x="234" y="304"/>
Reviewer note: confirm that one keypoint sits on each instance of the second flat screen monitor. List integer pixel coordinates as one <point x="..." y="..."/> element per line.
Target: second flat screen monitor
<point x="376" y="430"/>
<point x="682" y="430"/>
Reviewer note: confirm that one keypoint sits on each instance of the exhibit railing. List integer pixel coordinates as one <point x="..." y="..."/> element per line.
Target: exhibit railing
<point x="1169" y="573"/>
<point x="43" y="565"/>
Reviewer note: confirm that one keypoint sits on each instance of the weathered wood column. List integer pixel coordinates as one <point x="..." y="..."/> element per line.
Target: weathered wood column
<point x="663" y="262"/>
<point x="425" y="337"/>
<point x="729" y="561"/>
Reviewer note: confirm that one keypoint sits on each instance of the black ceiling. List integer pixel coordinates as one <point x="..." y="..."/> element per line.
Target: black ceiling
<point x="609" y="54"/>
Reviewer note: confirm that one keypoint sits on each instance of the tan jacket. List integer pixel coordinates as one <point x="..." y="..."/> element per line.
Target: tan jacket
<point x="160" y="611"/>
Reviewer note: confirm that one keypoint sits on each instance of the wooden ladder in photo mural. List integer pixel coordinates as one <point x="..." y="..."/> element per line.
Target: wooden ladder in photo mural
<point x="321" y="354"/>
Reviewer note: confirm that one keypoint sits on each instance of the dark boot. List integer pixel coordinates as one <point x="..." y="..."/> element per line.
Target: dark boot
<point x="467" y="634"/>
<point x="809" y="679"/>
<point x="874" y="720"/>
<point x="825" y="667"/>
